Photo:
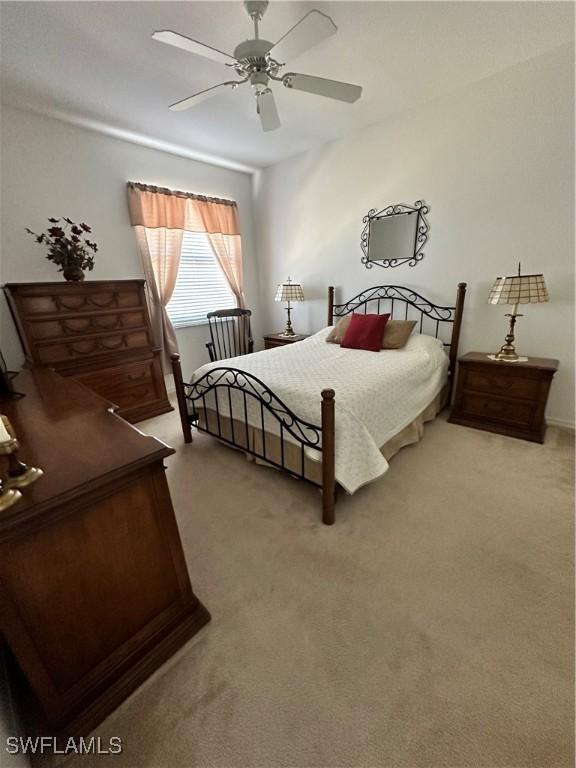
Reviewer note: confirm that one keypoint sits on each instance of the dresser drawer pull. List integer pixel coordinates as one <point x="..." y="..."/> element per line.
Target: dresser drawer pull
<point x="98" y="344"/>
<point x="116" y="322"/>
<point x="65" y="325"/>
<point x="87" y="301"/>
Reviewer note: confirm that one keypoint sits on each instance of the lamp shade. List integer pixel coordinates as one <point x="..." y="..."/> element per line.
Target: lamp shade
<point x="519" y="289"/>
<point x="289" y="291"/>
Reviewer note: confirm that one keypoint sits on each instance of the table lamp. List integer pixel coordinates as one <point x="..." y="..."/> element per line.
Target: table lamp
<point x="288" y="292"/>
<point x="514" y="290"/>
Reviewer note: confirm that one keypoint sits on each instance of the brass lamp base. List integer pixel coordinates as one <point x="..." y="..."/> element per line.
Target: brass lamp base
<point x="27" y="477"/>
<point x="507" y="351"/>
<point x="8" y="498"/>
<point x="19" y="474"/>
<point x="288" y="331"/>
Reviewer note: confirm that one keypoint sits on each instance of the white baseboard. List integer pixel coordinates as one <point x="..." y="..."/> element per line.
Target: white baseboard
<point x="564" y="423"/>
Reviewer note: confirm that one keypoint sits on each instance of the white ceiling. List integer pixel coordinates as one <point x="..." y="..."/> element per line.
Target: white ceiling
<point x="96" y="61"/>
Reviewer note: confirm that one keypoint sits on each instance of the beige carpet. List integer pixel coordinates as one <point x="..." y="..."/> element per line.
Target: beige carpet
<point x="431" y="626"/>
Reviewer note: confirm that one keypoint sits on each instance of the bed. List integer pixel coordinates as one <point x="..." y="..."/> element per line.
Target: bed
<point x="279" y="405"/>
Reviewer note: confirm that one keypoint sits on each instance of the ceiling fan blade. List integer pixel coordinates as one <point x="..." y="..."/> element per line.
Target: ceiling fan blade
<point x="192" y="46"/>
<point x="266" y="107"/>
<point x="331" y="89"/>
<point x="309" y="31"/>
<point x="201" y="96"/>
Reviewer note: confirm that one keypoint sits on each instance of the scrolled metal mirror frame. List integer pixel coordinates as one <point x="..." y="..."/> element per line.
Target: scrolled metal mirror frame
<point x="422" y="229"/>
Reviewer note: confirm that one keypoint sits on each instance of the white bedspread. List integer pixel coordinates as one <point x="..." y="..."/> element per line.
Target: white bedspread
<point x="377" y="393"/>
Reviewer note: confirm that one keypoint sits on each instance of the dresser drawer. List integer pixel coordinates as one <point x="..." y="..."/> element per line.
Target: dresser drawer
<point x="493" y="382"/>
<point x="496" y="409"/>
<point x="130" y="386"/>
<point x="78" y="325"/>
<point x="70" y="299"/>
<point x="77" y="349"/>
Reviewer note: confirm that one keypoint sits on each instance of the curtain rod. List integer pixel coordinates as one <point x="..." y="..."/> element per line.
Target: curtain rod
<point x="178" y="193"/>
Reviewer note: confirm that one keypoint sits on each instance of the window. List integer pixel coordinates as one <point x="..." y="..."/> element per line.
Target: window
<point x="200" y="286"/>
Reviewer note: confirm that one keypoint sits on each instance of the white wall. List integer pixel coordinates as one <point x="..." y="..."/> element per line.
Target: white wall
<point x="50" y="168"/>
<point x="495" y="162"/>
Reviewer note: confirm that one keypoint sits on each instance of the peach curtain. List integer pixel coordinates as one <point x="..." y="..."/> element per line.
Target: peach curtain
<point x="159" y="250"/>
<point x="222" y="227"/>
<point x="160" y="217"/>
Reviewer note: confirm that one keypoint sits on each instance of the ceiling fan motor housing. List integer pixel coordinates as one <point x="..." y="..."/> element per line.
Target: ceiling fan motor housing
<point x="253" y="60"/>
<point x="252" y="50"/>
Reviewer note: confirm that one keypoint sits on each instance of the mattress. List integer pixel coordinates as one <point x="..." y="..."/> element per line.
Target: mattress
<point x="378" y="395"/>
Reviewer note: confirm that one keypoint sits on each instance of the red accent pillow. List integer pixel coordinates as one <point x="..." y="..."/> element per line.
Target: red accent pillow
<point x="365" y="332"/>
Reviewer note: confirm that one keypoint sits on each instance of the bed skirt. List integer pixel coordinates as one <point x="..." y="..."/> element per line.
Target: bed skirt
<point x="267" y="443"/>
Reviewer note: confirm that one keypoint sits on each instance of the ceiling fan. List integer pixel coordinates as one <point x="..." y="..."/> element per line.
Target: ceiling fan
<point x="259" y="61"/>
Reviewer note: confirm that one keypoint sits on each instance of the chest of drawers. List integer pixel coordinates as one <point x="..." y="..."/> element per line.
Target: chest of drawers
<point x="503" y="397"/>
<point x="97" y="332"/>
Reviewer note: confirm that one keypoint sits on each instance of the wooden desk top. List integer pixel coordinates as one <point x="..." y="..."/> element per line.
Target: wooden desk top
<point x="71" y="433"/>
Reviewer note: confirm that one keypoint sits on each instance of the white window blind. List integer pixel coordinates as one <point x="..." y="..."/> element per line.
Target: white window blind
<point x="200" y="286"/>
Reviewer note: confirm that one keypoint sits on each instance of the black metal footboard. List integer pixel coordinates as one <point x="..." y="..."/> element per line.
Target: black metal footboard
<point x="231" y="404"/>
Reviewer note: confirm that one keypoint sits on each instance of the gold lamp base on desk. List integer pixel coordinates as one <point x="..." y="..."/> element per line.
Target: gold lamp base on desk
<point x="8" y="497"/>
<point x="19" y="474"/>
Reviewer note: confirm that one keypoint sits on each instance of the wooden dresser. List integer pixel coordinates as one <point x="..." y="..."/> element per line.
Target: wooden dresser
<point x="94" y="590"/>
<point x="97" y="332"/>
<point x="503" y="397"/>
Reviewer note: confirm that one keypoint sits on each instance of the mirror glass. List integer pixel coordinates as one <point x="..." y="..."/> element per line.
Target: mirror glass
<point x="395" y="235"/>
<point x="392" y="237"/>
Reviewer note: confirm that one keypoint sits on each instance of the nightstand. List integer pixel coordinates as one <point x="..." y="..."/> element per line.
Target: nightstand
<point x="502" y="397"/>
<point x="272" y="340"/>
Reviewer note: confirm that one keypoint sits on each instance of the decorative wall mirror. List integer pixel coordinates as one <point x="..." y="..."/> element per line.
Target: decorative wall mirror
<point x="395" y="235"/>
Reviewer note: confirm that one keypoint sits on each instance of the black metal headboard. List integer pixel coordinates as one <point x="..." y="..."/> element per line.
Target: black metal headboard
<point x="403" y="303"/>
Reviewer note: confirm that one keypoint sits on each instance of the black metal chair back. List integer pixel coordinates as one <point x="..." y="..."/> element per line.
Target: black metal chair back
<point x="230" y="333"/>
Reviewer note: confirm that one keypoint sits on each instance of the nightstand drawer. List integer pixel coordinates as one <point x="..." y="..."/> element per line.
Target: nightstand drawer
<point x="271" y="343"/>
<point x="497" y="409"/>
<point x="494" y="382"/>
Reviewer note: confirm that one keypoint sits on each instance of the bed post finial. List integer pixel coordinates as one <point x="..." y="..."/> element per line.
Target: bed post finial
<point x="330" y="305"/>
<point x="458" y="311"/>
<point x="180" y="397"/>
<point x="328" y="457"/>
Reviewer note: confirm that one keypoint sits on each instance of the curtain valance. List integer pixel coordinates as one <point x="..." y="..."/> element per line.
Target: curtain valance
<point x="154" y="207"/>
